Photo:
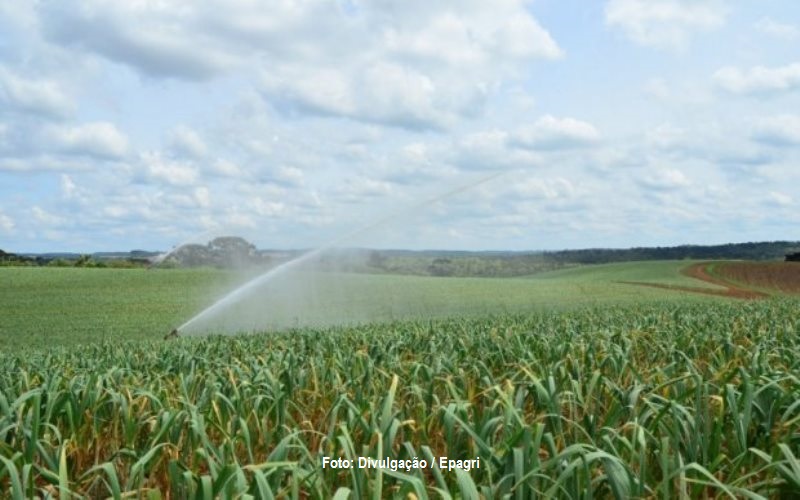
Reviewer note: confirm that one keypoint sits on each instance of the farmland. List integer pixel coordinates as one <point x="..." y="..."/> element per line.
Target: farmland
<point x="565" y="384"/>
<point x="66" y="306"/>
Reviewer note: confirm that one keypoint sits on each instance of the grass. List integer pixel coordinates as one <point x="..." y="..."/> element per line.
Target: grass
<point x="671" y="400"/>
<point x="56" y="306"/>
<point x="64" y="306"/>
<point x="666" y="272"/>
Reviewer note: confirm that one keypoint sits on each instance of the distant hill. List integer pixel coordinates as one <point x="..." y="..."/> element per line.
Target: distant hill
<point x="771" y="250"/>
<point x="768" y="250"/>
<point x="499" y="263"/>
<point x="452" y="262"/>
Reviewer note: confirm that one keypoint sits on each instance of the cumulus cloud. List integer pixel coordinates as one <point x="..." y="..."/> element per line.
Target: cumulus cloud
<point x="473" y="36"/>
<point x="290" y="117"/>
<point x="38" y="96"/>
<point x="781" y="130"/>
<point x="6" y="223"/>
<point x="759" y="79"/>
<point x="549" y="132"/>
<point x="290" y="175"/>
<point x="46" y="218"/>
<point x="549" y="189"/>
<point x="185" y="141"/>
<point x="266" y="208"/>
<point x="665" y="179"/>
<point x="202" y="196"/>
<point x="778" y="29"/>
<point x="779" y="199"/>
<point x="99" y="139"/>
<point x="423" y="66"/>
<point x="490" y="150"/>
<point x="357" y="189"/>
<point x="160" y="169"/>
<point x="68" y="187"/>
<point x="224" y="168"/>
<point x="150" y="36"/>
<point x="664" y="23"/>
<point x="384" y="93"/>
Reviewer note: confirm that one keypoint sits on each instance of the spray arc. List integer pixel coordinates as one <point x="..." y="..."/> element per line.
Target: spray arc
<point x="250" y="286"/>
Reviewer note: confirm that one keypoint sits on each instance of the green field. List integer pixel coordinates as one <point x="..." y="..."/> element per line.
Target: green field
<point x="60" y="306"/>
<point x="566" y="384"/>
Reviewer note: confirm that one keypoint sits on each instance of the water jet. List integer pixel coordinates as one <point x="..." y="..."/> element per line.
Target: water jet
<point x="248" y="287"/>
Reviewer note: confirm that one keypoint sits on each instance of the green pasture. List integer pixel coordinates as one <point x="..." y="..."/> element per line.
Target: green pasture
<point x="59" y="306"/>
<point x="666" y="272"/>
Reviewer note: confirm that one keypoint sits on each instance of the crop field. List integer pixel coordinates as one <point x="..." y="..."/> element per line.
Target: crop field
<point x="60" y="306"/>
<point x="766" y="277"/>
<point x="570" y="384"/>
<point x="684" y="399"/>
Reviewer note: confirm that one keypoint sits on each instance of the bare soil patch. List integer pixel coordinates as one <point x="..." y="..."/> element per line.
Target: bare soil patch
<point x="780" y="277"/>
<point x="740" y="280"/>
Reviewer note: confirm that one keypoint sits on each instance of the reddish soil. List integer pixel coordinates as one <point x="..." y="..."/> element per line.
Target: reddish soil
<point x="780" y="277"/>
<point x="701" y="272"/>
<point x="741" y="280"/>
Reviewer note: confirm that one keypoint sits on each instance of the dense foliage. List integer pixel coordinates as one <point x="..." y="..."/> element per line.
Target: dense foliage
<point x="637" y="401"/>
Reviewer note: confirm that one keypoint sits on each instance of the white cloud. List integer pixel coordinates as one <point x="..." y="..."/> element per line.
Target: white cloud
<point x="101" y="139"/>
<point x="665" y="179"/>
<point x="473" y="36"/>
<point x="658" y="88"/>
<point x="778" y="199"/>
<point x="37" y="96"/>
<point x="225" y="168"/>
<point x="680" y="93"/>
<point x="549" y="189"/>
<point x="381" y="92"/>
<point x="357" y="189"/>
<point x="265" y="208"/>
<point x="426" y="65"/>
<point x="290" y="175"/>
<point x="781" y="130"/>
<point x="68" y="187"/>
<point x="298" y="117"/>
<point x="151" y="36"/>
<point x="6" y="223"/>
<point x="549" y="132"/>
<point x="664" y="23"/>
<point x="759" y="79"/>
<point x="491" y="150"/>
<point x="202" y="196"/>
<point x="777" y="29"/>
<point x="185" y="141"/>
<point x="46" y="218"/>
<point x="176" y="173"/>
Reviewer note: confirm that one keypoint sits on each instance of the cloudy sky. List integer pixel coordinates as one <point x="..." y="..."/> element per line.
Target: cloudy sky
<point x="148" y="123"/>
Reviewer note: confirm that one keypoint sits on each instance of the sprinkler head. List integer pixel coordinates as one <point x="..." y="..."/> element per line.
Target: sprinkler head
<point x="172" y="334"/>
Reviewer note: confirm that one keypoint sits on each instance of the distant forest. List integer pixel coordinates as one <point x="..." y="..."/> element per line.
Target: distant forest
<point x="236" y="252"/>
<point x="444" y="263"/>
<point x="772" y="250"/>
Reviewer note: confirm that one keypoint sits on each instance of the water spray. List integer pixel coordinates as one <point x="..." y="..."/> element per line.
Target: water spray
<point x="158" y="259"/>
<point x="259" y="280"/>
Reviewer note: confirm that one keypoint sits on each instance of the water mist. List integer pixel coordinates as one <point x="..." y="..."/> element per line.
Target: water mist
<point x="299" y="294"/>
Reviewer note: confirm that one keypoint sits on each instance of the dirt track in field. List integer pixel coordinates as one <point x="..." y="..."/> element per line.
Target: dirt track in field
<point x="740" y="280"/>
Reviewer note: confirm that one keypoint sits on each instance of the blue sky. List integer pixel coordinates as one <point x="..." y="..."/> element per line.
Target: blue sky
<point x="609" y="123"/>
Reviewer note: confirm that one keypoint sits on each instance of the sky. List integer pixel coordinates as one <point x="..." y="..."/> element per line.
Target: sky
<point x="474" y="125"/>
